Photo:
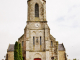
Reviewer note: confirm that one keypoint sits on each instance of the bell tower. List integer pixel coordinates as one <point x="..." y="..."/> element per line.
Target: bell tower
<point x="36" y="10"/>
<point x="36" y="25"/>
<point x="37" y="32"/>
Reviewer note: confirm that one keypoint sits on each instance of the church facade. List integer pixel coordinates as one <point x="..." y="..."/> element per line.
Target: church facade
<point x="37" y="42"/>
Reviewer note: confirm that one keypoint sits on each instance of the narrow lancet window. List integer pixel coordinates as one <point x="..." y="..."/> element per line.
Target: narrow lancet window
<point x="36" y="10"/>
<point x="33" y="40"/>
<point x="51" y="44"/>
<point x="22" y="43"/>
<point x="40" y="40"/>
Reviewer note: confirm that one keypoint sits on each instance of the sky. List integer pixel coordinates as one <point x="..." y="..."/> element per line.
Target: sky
<point x="63" y="18"/>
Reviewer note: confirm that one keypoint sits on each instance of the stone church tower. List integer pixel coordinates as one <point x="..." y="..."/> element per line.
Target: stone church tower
<point x="37" y="42"/>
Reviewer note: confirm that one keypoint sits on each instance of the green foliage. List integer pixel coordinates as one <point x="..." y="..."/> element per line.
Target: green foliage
<point x="20" y="52"/>
<point x="55" y="59"/>
<point x="17" y="51"/>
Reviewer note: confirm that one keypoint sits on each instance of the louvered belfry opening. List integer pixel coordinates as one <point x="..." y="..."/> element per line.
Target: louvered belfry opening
<point x="36" y="10"/>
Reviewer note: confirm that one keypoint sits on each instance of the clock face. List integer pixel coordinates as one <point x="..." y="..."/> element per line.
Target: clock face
<point x="37" y="25"/>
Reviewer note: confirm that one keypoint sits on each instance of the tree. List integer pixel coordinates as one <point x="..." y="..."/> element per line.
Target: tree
<point x="74" y="59"/>
<point x="20" y="52"/>
<point x="16" y="51"/>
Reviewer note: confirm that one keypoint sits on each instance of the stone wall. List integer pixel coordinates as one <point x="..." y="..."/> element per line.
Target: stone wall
<point x="33" y="55"/>
<point x="31" y="10"/>
<point x="10" y="55"/>
<point x="61" y="55"/>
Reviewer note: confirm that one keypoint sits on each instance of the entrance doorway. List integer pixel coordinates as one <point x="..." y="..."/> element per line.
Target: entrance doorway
<point x="37" y="59"/>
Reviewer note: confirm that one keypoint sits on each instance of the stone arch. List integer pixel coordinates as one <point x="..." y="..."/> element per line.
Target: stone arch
<point x="34" y="32"/>
<point x="40" y="33"/>
<point x="37" y="55"/>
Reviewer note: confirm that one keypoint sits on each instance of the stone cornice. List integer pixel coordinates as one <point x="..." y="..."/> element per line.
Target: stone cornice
<point x="30" y="0"/>
<point x="37" y="21"/>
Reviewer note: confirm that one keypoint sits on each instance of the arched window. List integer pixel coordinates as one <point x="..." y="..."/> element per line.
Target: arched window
<point x="36" y="10"/>
<point x="40" y="40"/>
<point x="33" y="40"/>
<point x="51" y="44"/>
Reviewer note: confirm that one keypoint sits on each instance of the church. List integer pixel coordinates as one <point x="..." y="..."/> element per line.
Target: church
<point x="37" y="42"/>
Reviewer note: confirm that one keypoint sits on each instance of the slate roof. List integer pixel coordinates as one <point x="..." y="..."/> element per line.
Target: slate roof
<point x="11" y="47"/>
<point x="60" y="47"/>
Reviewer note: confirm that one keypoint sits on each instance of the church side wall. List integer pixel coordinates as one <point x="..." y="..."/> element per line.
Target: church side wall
<point x="21" y="39"/>
<point x="61" y="55"/>
<point x="53" y="48"/>
<point x="10" y="55"/>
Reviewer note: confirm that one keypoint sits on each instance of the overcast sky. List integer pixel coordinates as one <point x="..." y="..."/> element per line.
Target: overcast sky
<point x="63" y="18"/>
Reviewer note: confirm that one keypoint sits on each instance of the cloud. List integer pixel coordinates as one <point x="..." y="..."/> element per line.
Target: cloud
<point x="65" y="25"/>
<point x="60" y="19"/>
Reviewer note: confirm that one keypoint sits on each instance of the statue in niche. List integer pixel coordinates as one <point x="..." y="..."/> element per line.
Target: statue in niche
<point x="37" y="39"/>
